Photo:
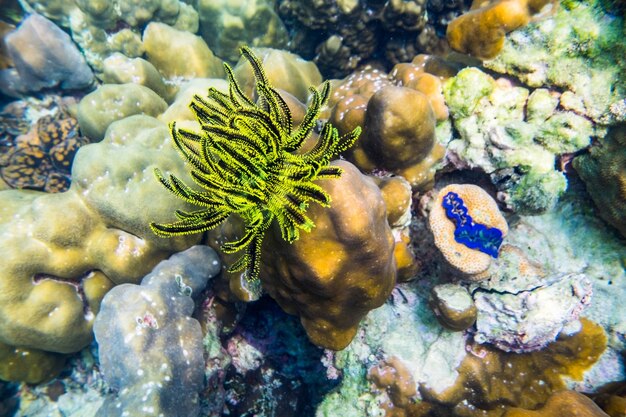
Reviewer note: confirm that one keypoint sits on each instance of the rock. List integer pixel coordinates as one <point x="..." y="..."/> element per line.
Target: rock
<point x="44" y="57"/>
<point x="453" y="306"/>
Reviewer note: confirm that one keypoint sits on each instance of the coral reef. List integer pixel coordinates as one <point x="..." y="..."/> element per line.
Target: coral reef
<point x="41" y="159"/>
<point x="482" y="284"/>
<point x="578" y="51"/>
<point x="43" y="57"/>
<point x="490" y="379"/>
<point x="151" y="350"/>
<point x="340" y="35"/>
<point x="248" y="163"/>
<point x="227" y="26"/>
<point x="331" y="294"/>
<point x="101" y="28"/>
<point x="482" y="30"/>
<point x="604" y="171"/>
<point x="62" y="252"/>
<point x="516" y="149"/>
<point x="399" y="125"/>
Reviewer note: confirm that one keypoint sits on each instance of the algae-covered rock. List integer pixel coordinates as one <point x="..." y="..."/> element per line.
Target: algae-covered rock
<point x="429" y="353"/>
<point x="515" y="136"/>
<point x="453" y="306"/>
<point x="579" y="50"/>
<point x="112" y="102"/>
<point x="228" y="25"/>
<point x="151" y="350"/>
<point x="176" y="53"/>
<point x="604" y="171"/>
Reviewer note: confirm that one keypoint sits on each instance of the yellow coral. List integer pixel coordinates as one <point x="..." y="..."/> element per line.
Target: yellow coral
<point x="345" y="267"/>
<point x="481" y="31"/>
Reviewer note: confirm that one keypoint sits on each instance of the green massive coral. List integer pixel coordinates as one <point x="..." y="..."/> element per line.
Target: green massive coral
<point x="247" y="160"/>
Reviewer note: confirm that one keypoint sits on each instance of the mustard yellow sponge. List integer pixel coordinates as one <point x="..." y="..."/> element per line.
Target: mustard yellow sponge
<point x="483" y="210"/>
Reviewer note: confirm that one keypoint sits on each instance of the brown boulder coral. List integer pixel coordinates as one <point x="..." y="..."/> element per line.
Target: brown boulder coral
<point x="481" y="31"/>
<point x="399" y="126"/>
<point x="334" y="275"/>
<point x="562" y="403"/>
<point x="493" y="380"/>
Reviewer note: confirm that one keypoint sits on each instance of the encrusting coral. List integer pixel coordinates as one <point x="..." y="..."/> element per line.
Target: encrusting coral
<point x="245" y="159"/>
<point x="578" y="51"/>
<point x="515" y="136"/>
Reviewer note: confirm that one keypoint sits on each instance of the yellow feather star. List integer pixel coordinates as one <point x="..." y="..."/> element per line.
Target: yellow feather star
<point x="246" y="162"/>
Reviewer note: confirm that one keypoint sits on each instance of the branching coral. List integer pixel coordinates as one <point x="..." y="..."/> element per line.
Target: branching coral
<point x="246" y="161"/>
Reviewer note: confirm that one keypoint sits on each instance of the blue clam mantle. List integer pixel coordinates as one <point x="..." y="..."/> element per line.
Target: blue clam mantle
<point x="473" y="235"/>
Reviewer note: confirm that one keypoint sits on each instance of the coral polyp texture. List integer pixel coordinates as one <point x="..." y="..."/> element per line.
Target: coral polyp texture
<point x="246" y="161"/>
